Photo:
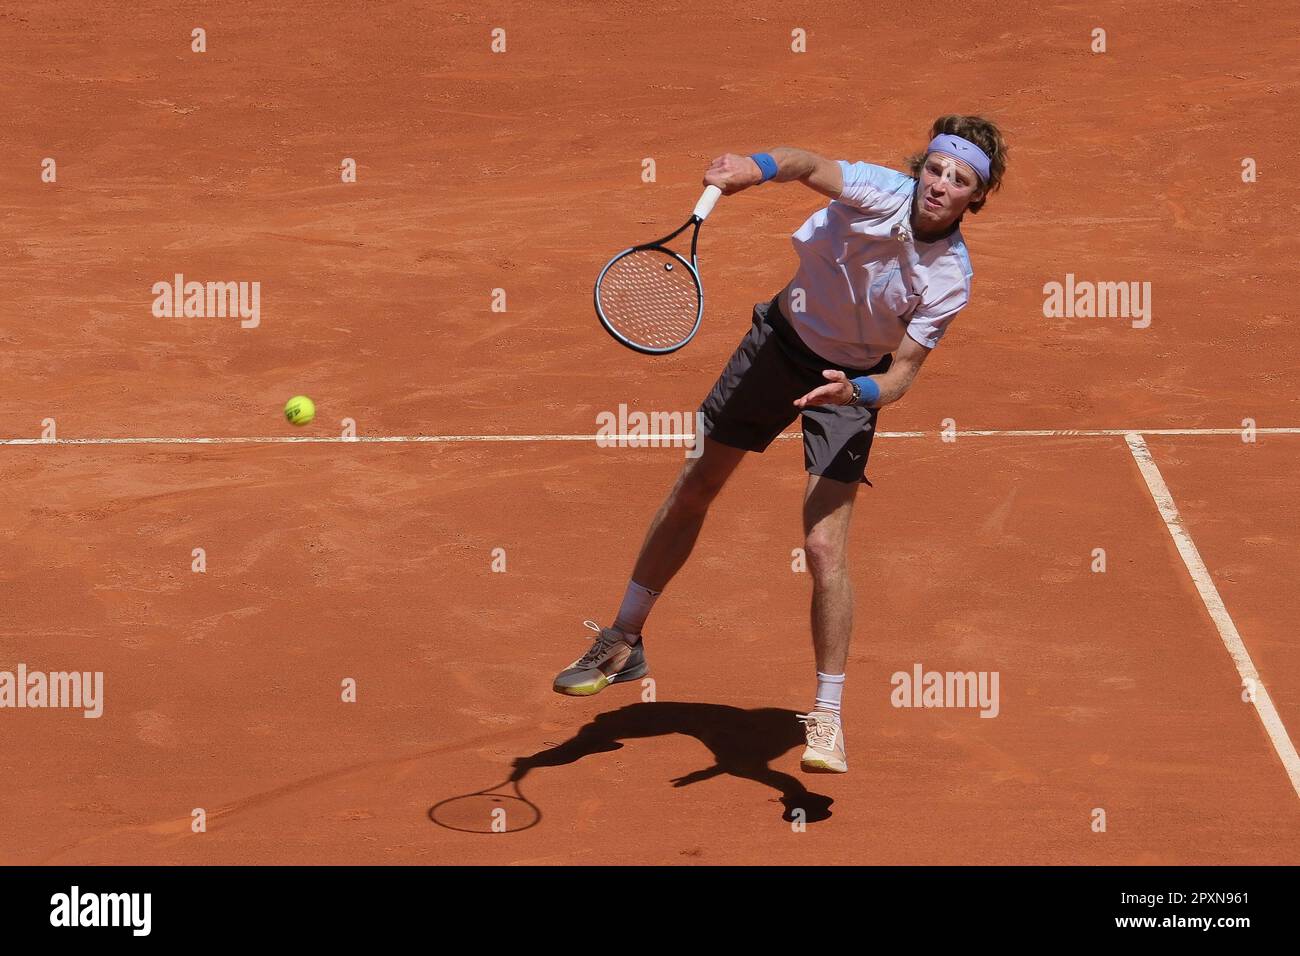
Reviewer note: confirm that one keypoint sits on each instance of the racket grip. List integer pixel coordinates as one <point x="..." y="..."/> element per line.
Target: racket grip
<point x="706" y="203"/>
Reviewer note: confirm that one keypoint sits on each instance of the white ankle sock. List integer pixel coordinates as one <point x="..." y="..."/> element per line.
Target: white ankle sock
<point x="637" y="602"/>
<point x="830" y="691"/>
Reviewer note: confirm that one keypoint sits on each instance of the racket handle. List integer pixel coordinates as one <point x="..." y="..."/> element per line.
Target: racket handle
<point x="705" y="205"/>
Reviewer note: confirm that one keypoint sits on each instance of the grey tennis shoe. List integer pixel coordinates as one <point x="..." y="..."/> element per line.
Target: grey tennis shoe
<point x="610" y="660"/>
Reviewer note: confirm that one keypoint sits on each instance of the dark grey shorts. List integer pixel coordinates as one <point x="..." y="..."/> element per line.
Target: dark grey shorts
<point x="752" y="401"/>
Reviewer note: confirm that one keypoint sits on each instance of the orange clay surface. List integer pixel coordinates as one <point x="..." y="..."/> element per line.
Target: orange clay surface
<point x="521" y="171"/>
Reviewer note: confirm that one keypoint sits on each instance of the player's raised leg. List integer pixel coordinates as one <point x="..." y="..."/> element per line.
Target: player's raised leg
<point x="617" y="654"/>
<point x="675" y="527"/>
<point x="827" y="514"/>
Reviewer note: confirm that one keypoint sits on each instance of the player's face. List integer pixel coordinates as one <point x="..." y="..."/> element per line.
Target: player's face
<point x="946" y="187"/>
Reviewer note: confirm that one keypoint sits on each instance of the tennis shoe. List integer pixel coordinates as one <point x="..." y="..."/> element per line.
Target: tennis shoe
<point x="825" y="750"/>
<point x="610" y="660"/>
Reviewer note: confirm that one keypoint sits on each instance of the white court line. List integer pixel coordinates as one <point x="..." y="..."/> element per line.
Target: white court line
<point x="665" y="440"/>
<point x="1214" y="604"/>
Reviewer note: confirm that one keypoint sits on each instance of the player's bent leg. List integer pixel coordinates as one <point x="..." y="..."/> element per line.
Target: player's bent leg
<point x="749" y="405"/>
<point x="617" y="656"/>
<point x="676" y="525"/>
<point x="828" y="512"/>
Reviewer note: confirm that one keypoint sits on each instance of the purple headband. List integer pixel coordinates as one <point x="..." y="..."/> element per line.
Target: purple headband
<point x="962" y="149"/>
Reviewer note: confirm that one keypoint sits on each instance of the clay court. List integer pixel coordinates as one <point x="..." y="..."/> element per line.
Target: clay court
<point x="372" y="559"/>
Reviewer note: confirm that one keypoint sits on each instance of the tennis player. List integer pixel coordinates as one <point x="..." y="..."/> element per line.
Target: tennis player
<point x="883" y="271"/>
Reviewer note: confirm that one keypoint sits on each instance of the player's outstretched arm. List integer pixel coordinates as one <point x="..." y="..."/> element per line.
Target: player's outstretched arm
<point x="733" y="172"/>
<point x="889" y="387"/>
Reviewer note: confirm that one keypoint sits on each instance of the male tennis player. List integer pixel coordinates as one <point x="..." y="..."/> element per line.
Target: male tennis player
<point x="882" y="273"/>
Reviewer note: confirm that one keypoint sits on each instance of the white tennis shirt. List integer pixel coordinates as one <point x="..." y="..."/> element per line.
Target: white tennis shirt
<point x="866" y="280"/>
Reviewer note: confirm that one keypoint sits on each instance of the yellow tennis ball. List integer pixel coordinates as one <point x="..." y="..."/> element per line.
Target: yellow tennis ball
<point x="299" y="410"/>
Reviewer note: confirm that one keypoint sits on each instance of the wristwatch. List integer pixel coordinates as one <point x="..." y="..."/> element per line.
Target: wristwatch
<point x="857" y="394"/>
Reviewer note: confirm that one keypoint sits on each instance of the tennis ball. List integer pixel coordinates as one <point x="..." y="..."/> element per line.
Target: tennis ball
<point x="299" y="410"/>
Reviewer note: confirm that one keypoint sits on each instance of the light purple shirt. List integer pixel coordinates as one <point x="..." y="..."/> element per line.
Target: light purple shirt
<point x="866" y="280"/>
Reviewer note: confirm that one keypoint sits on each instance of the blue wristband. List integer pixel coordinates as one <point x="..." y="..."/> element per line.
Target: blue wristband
<point x="766" y="163"/>
<point x="869" y="389"/>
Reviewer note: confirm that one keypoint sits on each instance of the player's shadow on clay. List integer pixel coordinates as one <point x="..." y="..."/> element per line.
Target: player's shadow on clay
<point x="743" y="743"/>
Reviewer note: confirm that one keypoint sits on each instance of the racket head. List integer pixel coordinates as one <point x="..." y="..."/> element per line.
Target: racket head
<point x="650" y="299"/>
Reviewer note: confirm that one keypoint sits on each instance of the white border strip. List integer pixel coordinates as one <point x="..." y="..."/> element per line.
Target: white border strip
<point x="633" y="441"/>
<point x="1214" y="604"/>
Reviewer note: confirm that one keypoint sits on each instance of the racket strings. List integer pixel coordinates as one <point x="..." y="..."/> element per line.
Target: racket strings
<point x="651" y="298"/>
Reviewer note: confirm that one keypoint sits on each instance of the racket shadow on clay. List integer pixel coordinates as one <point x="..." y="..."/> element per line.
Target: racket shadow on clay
<point x="743" y="744"/>
<point x="502" y="808"/>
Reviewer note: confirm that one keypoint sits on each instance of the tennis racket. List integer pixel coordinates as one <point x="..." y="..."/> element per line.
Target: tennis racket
<point x="650" y="298"/>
